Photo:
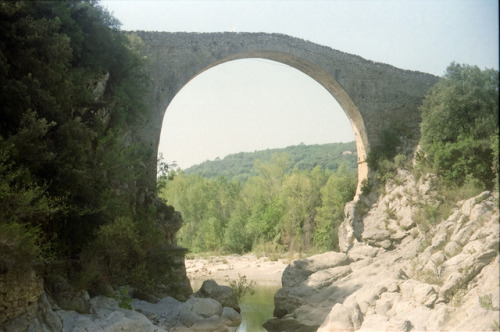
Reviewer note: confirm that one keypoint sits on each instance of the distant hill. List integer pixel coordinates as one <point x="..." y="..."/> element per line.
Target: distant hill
<point x="240" y="165"/>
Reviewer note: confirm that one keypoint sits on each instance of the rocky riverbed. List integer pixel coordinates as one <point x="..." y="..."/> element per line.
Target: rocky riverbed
<point x="103" y="313"/>
<point x="400" y="273"/>
<point x="397" y="272"/>
<point x="212" y="308"/>
<point x="223" y="269"/>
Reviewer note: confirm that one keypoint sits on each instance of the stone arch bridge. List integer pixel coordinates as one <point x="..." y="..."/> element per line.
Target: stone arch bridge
<point x="374" y="96"/>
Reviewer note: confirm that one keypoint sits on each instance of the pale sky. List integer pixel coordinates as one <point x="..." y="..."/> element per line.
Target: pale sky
<point x="253" y="104"/>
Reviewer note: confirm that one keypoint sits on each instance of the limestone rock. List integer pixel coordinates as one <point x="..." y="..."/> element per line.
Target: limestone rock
<point x="39" y="317"/>
<point x="339" y="319"/>
<point x="436" y="277"/>
<point x="20" y="289"/>
<point x="188" y="318"/>
<point x="326" y="277"/>
<point x="206" y="307"/>
<point x="210" y="324"/>
<point x="399" y="325"/>
<point x="223" y="294"/>
<point x="361" y="251"/>
<point x="163" y="313"/>
<point x="288" y="323"/>
<point x="67" y="297"/>
<point x="98" y="86"/>
<point x="299" y="270"/>
<point x="168" y="314"/>
<point x="285" y="302"/>
<point x="419" y="292"/>
<point x="230" y="317"/>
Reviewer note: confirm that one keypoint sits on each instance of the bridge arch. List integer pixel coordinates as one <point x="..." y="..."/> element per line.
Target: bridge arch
<point x="329" y="83"/>
<point x="374" y="96"/>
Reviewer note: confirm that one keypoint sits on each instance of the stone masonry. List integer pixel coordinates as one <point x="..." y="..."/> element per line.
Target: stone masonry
<point x="373" y="95"/>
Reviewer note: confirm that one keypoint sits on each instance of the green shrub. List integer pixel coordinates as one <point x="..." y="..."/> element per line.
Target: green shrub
<point x="127" y="252"/>
<point x="468" y="157"/>
<point x="486" y="302"/>
<point x="122" y="295"/>
<point x="18" y="243"/>
<point x="241" y="287"/>
<point x="459" y="128"/>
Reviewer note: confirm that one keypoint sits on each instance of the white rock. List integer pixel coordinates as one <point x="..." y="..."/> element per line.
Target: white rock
<point x="422" y="293"/>
<point x="339" y="319"/>
<point x="361" y="251"/>
<point x="326" y="277"/>
<point x="206" y="307"/>
<point x="230" y="317"/>
<point x="211" y="324"/>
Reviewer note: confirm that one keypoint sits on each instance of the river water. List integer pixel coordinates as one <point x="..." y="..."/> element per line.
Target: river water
<point x="256" y="308"/>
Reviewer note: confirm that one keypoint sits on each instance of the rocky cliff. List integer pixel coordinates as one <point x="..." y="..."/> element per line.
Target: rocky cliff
<point x="218" y="312"/>
<point x="398" y="272"/>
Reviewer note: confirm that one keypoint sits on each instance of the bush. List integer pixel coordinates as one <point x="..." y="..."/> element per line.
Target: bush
<point x="468" y="157"/>
<point x="18" y="243"/>
<point x="127" y="252"/>
<point x="241" y="287"/>
<point x="460" y="123"/>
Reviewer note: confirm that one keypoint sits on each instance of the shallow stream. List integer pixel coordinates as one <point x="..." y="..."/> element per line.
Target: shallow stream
<point x="256" y="309"/>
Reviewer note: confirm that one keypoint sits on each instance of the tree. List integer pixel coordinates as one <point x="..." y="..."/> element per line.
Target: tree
<point x="65" y="159"/>
<point x="272" y="210"/>
<point x="299" y="198"/>
<point x="459" y="121"/>
<point x="338" y="190"/>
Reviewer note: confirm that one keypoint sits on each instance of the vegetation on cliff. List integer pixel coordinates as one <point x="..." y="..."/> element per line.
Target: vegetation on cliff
<point x="280" y="207"/>
<point x="460" y="125"/>
<point x="71" y="85"/>
<point x="459" y="132"/>
<point x="458" y="146"/>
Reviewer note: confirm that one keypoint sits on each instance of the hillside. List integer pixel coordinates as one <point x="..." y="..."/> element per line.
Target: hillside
<point x="240" y="165"/>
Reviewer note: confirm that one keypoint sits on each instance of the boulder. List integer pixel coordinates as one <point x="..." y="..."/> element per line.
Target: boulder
<point x="206" y="307"/>
<point x="188" y="318"/>
<point x="39" y="317"/>
<point x="420" y="292"/>
<point x="223" y="294"/>
<point x="230" y="317"/>
<point x="286" y="302"/>
<point x="20" y="289"/>
<point x="299" y="270"/>
<point x="339" y="319"/>
<point x="66" y="296"/>
<point x="211" y="324"/>
<point x="326" y="277"/>
<point x="362" y="251"/>
<point x="288" y="323"/>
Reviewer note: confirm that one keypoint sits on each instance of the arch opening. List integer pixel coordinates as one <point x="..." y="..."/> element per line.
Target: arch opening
<point x="312" y="72"/>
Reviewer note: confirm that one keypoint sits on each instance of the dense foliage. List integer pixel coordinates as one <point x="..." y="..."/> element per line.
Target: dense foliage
<point x="71" y="83"/>
<point x="304" y="157"/>
<point x="460" y="125"/>
<point x="280" y="208"/>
